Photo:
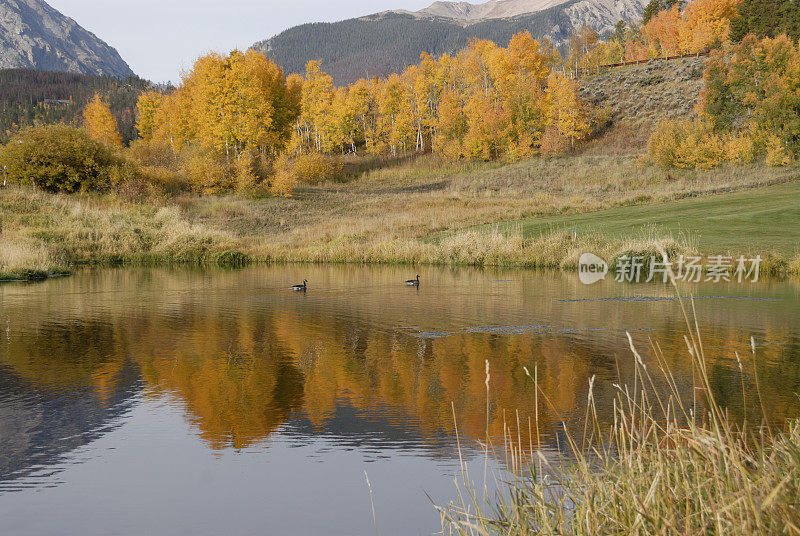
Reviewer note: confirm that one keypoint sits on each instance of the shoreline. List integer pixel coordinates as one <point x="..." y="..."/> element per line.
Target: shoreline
<point x="776" y="267"/>
<point x="542" y="213"/>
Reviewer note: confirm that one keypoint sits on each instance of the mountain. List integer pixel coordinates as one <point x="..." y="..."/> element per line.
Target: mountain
<point x="496" y="9"/>
<point x="36" y="36"/>
<point x="379" y="44"/>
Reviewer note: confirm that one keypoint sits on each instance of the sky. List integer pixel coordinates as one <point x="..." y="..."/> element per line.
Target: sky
<point x="160" y="38"/>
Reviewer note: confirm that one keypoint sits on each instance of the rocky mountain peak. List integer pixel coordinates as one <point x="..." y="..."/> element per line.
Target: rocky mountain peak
<point x="33" y="35"/>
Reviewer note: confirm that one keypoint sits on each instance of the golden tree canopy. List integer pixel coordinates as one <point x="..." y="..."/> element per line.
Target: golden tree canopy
<point x="100" y="123"/>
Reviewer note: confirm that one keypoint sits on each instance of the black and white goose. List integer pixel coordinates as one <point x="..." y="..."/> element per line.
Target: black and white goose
<point x="302" y="287"/>
<point x="413" y="282"/>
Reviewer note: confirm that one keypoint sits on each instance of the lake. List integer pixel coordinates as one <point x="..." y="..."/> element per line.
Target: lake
<point x="183" y="401"/>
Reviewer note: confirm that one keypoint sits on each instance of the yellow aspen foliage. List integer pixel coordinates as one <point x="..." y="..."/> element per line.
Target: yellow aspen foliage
<point x="582" y="50"/>
<point x="100" y="124"/>
<point x="205" y="174"/>
<point x="702" y="24"/>
<point x="316" y="103"/>
<point x="173" y="121"/>
<point x="663" y="32"/>
<point x="284" y="178"/>
<point x="147" y="106"/>
<point x="740" y="148"/>
<point x="246" y="179"/>
<point x="686" y="144"/>
<point x="230" y="104"/>
<point x="451" y="127"/>
<point x="566" y="112"/>
<point x="314" y="168"/>
<point x="777" y="153"/>
<point x="236" y="122"/>
<point x="362" y="108"/>
<point x="395" y="114"/>
<point x="487" y="102"/>
<point x="757" y="81"/>
<point x="706" y="23"/>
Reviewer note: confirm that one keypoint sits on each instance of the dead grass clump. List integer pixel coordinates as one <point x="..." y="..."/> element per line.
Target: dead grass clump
<point x="670" y="463"/>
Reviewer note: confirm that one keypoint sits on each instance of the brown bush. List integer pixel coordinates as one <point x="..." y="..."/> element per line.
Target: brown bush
<point x="152" y="153"/>
<point x="314" y="168"/>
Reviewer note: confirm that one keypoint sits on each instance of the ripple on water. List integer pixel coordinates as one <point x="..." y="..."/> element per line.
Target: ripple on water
<point x="663" y="298"/>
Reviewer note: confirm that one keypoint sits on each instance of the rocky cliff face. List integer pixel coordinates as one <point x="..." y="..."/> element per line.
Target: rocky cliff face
<point x="495" y="9"/>
<point x="601" y="15"/>
<point x="36" y="36"/>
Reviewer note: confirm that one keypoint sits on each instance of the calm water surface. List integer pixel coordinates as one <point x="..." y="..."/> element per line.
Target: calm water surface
<point x="176" y="401"/>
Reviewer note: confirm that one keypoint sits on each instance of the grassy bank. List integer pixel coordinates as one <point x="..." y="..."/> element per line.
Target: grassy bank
<point x="674" y="463"/>
<point x="425" y="211"/>
<point x="744" y="221"/>
<point x="44" y="234"/>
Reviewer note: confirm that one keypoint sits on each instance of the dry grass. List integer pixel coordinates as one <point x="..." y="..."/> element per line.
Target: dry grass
<point x="637" y="97"/>
<point x="22" y="260"/>
<point x="413" y="212"/>
<point x="43" y="232"/>
<point x="669" y="464"/>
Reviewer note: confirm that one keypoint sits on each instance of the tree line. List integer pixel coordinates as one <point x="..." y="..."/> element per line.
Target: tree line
<point x="238" y="122"/>
<point x="668" y="28"/>
<point x="485" y="102"/>
<point x="29" y="97"/>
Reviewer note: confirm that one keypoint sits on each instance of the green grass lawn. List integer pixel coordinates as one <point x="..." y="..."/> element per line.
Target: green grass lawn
<point x="765" y="219"/>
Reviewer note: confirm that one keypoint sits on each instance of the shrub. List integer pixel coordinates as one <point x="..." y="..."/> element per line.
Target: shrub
<point x="164" y="179"/>
<point x="152" y="153"/>
<point x="740" y="148"/>
<point x="686" y="144"/>
<point x="205" y="173"/>
<point x="315" y="167"/>
<point x="651" y="80"/>
<point x="284" y="179"/>
<point x="136" y="190"/>
<point x="777" y="153"/>
<point x="553" y="142"/>
<point x="249" y="177"/>
<point x="59" y="158"/>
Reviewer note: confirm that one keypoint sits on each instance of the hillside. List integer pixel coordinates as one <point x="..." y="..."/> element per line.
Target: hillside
<point x="30" y="97"/>
<point x="637" y="97"/>
<point x="33" y="35"/>
<point x="388" y="42"/>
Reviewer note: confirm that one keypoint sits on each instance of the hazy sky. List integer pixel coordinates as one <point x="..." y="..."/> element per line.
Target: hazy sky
<point x="159" y="38"/>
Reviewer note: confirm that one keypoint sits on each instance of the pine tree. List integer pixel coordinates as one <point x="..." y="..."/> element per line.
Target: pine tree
<point x="767" y="18"/>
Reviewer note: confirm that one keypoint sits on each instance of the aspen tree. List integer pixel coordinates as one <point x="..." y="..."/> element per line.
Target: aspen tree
<point x="100" y="124"/>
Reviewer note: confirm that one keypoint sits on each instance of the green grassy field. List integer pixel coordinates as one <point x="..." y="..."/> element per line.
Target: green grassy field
<point x="758" y="220"/>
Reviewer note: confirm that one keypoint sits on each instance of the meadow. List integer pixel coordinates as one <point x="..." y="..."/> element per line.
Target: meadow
<point x="745" y="221"/>
<point x="426" y="210"/>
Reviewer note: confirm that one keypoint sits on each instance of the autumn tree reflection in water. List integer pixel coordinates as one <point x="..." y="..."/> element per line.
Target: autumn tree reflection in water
<point x="243" y="356"/>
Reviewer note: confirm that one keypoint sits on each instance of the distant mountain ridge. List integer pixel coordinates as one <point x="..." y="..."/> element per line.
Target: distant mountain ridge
<point x="33" y="35"/>
<point x="495" y="9"/>
<point x="379" y="44"/>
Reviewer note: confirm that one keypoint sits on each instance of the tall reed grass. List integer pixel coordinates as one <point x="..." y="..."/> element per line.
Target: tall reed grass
<point x="669" y="464"/>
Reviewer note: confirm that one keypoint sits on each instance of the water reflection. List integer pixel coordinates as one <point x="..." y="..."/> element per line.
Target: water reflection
<point x="359" y="359"/>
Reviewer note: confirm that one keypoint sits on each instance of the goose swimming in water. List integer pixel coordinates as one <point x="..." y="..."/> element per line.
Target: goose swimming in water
<point x="414" y="282"/>
<point x="302" y="287"/>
